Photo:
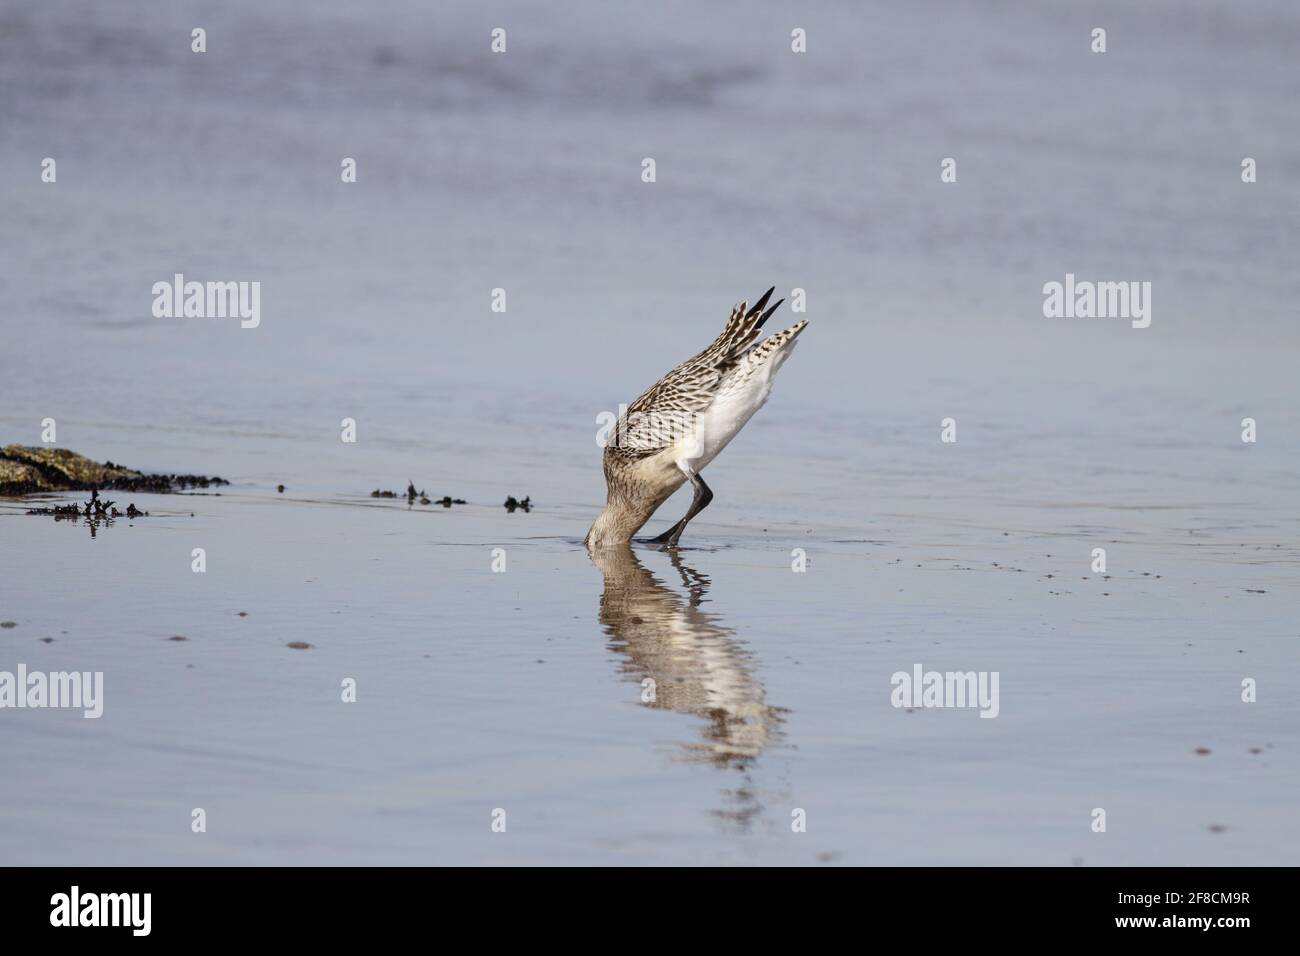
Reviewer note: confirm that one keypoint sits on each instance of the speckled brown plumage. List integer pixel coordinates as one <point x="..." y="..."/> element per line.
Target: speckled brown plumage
<point x="650" y="453"/>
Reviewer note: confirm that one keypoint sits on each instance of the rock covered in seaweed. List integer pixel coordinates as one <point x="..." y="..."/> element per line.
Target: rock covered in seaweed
<point x="26" y="470"/>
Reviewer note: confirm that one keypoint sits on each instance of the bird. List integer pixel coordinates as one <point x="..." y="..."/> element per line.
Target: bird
<point x="681" y="422"/>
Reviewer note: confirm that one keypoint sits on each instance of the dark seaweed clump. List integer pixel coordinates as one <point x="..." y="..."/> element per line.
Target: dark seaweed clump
<point x="163" y="484"/>
<point x="96" y="508"/>
<point x="97" y="511"/>
<point x="412" y="496"/>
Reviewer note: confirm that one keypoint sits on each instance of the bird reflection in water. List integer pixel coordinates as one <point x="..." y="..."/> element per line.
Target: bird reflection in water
<point x="696" y="664"/>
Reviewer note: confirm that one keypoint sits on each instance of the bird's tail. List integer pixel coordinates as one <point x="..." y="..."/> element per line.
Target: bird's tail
<point x="745" y="324"/>
<point x="777" y="345"/>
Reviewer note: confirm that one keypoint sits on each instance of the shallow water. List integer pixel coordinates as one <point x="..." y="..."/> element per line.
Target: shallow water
<point x="523" y="690"/>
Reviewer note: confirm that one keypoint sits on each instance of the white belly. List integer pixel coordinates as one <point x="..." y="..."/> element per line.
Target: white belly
<point x="725" y="417"/>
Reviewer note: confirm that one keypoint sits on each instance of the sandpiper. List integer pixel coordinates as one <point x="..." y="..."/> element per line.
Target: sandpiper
<point x="681" y="423"/>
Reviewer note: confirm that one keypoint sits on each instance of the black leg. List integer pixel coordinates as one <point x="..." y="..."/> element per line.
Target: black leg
<point x="663" y="538"/>
<point x="703" y="495"/>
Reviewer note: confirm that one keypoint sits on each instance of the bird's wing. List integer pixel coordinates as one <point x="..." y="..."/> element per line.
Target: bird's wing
<point x="667" y="410"/>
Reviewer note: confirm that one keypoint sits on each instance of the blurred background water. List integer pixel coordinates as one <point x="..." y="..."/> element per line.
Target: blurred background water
<point x="522" y="171"/>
